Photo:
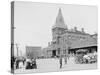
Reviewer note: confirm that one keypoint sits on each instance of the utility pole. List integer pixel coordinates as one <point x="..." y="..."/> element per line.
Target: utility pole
<point x="17" y="49"/>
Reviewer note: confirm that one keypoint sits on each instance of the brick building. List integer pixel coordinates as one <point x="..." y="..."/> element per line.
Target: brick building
<point x="65" y="41"/>
<point x="33" y="52"/>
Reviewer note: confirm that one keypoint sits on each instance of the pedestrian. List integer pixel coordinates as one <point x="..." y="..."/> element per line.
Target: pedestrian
<point x="65" y="59"/>
<point x="34" y="65"/>
<point x="60" y="62"/>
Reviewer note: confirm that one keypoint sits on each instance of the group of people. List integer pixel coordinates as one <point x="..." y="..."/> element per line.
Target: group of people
<point x="23" y="63"/>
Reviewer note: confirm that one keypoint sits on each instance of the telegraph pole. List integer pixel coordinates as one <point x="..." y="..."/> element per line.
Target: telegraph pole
<point x="17" y="49"/>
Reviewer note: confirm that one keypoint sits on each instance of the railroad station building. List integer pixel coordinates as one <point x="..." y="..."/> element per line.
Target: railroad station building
<point x="66" y="41"/>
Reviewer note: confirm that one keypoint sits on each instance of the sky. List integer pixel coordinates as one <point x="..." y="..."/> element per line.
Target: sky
<point x="34" y="21"/>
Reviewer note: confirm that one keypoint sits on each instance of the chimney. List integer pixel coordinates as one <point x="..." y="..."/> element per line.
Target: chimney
<point x="75" y="28"/>
<point x="83" y="30"/>
<point x="48" y="43"/>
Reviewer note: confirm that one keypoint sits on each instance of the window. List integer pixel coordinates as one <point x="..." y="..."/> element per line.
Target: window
<point x="58" y="50"/>
<point x="69" y="36"/>
<point x="64" y="51"/>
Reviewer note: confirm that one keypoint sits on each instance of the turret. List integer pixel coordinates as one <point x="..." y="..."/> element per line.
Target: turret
<point x="60" y="26"/>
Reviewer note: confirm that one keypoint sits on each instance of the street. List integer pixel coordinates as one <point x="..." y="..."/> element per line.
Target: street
<point x="52" y="65"/>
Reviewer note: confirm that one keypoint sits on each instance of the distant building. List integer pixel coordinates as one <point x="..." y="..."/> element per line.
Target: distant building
<point x="33" y="51"/>
<point x="65" y="41"/>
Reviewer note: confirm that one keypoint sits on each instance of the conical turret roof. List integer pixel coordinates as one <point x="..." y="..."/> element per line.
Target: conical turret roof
<point x="60" y="20"/>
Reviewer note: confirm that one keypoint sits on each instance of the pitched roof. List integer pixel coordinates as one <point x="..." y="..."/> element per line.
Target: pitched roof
<point x="83" y="43"/>
<point x="60" y="20"/>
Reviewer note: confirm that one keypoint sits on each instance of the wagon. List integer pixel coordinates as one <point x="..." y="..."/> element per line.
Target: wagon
<point x="79" y="56"/>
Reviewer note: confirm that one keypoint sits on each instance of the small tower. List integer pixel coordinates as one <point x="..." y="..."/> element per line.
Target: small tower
<point x="60" y="26"/>
<point x="60" y="20"/>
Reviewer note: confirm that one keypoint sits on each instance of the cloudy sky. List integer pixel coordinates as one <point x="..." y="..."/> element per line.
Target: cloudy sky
<point x="33" y="21"/>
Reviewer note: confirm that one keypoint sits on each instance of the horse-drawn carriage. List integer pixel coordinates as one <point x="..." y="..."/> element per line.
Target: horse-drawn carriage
<point x="31" y="64"/>
<point x="90" y="58"/>
<point x="79" y="56"/>
<point x="82" y="56"/>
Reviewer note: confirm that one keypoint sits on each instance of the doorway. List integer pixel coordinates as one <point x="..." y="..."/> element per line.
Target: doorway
<point x="53" y="53"/>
